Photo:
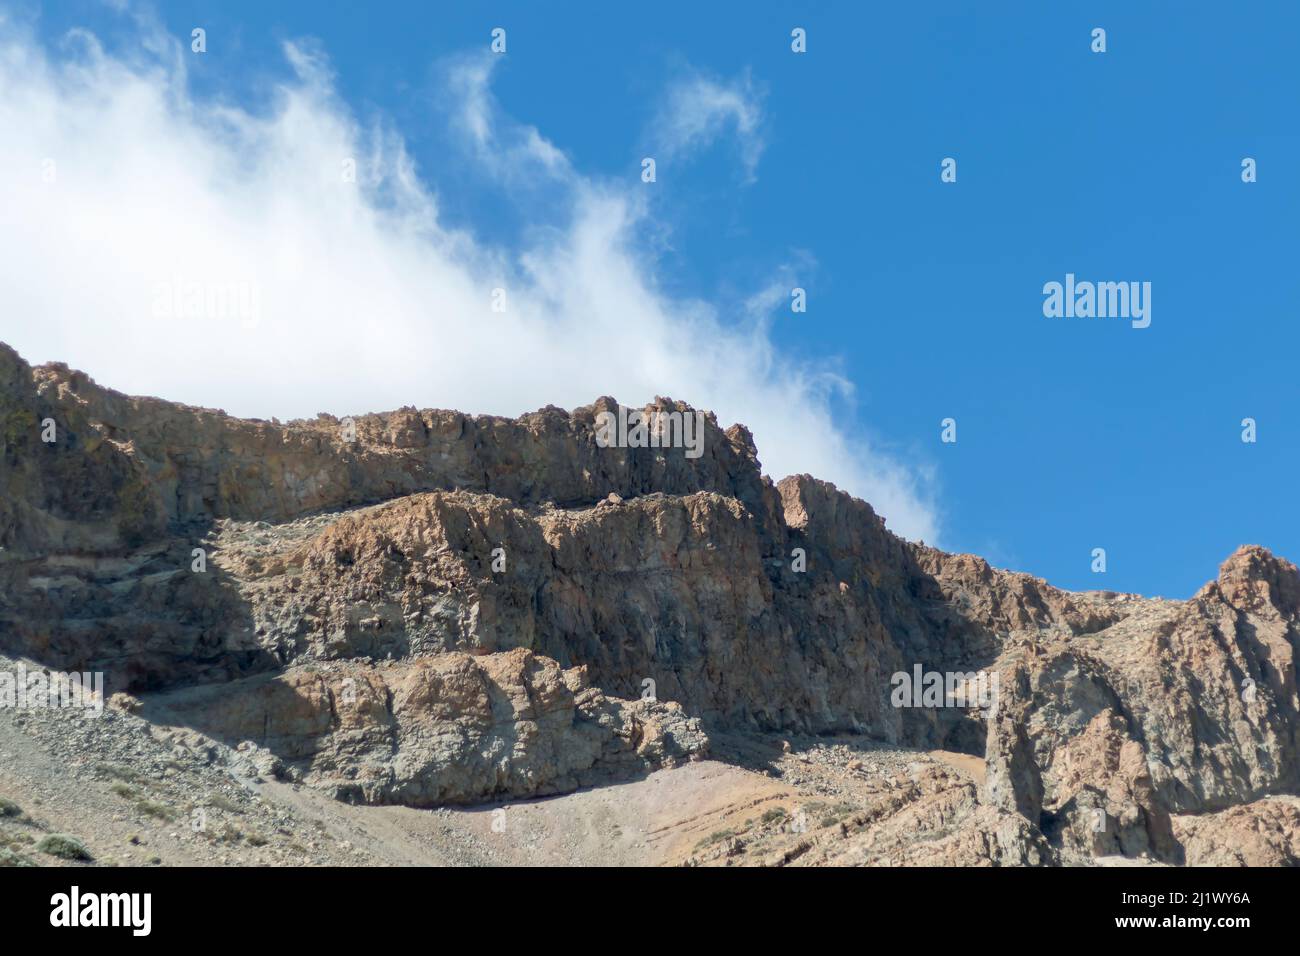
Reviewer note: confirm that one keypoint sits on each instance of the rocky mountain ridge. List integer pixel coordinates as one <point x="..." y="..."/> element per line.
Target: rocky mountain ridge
<point x="427" y="608"/>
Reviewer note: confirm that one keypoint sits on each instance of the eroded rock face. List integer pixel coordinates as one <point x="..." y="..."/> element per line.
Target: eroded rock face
<point x="126" y="467"/>
<point x="931" y="815"/>
<point x="460" y="570"/>
<point x="453" y="728"/>
<point x="140" y="615"/>
<point x="1263" y="833"/>
<point x="667" y="589"/>
<point x="1178" y="708"/>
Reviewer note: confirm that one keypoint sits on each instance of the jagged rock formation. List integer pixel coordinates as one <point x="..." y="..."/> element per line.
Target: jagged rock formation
<point x="1178" y="708"/>
<point x="450" y="728"/>
<point x="426" y="607"/>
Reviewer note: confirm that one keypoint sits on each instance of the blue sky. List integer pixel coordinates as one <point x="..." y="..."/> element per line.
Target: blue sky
<point x="926" y="297"/>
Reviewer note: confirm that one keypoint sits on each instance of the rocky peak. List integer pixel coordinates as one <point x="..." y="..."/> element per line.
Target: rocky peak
<point x="1254" y="577"/>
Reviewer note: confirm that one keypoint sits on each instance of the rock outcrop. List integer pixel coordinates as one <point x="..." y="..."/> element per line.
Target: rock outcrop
<point x="450" y="728"/>
<point x="428" y="607"/>
<point x="1178" y="708"/>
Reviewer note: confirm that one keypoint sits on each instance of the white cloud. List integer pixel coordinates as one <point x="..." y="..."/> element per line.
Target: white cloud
<point x="697" y="111"/>
<point x="510" y="151"/>
<point x="358" y="297"/>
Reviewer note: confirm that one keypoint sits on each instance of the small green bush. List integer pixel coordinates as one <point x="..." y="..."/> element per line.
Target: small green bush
<point x="716" y="836"/>
<point x="223" y="803"/>
<point x="64" y="846"/>
<point x="10" y="858"/>
<point x="117" y="772"/>
<point x="151" y="808"/>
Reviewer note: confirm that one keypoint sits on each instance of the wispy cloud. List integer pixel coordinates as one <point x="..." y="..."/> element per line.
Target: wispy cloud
<point x="700" y="110"/>
<point x="136" y="213"/>
<point x="508" y="148"/>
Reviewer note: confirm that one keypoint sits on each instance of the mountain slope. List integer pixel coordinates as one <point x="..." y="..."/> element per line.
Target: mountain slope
<point x="430" y="608"/>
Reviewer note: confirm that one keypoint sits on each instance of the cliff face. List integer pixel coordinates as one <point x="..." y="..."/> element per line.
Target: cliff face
<point x="425" y="607"/>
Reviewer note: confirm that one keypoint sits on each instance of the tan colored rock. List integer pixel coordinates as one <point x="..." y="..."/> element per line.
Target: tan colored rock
<point x="1263" y="833"/>
<point x="484" y="583"/>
